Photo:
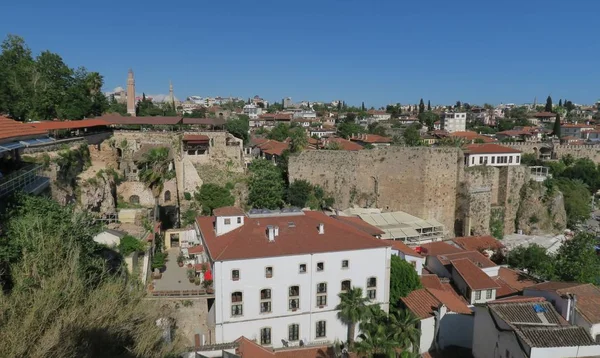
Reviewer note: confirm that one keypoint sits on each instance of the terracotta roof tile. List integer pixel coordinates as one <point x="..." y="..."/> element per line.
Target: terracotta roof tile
<point x="250" y="240"/>
<point x="84" y="123"/>
<point x="589" y="307"/>
<point x="250" y="349"/>
<point x="371" y="138"/>
<point x="10" y="129"/>
<point x="198" y="249"/>
<point x="195" y="138"/>
<point x="514" y="279"/>
<point x="424" y="301"/>
<point x="360" y="224"/>
<point x="475" y="257"/>
<point x="563" y="288"/>
<point x="518" y="299"/>
<point x="504" y="289"/>
<point x="402" y="247"/>
<point x="473" y="276"/>
<point x="273" y="147"/>
<point x="228" y="211"/>
<point x="478" y="243"/>
<point x="489" y="148"/>
<point x="344" y="143"/>
<point x="439" y="248"/>
<point x="545" y="114"/>
<point x="431" y="281"/>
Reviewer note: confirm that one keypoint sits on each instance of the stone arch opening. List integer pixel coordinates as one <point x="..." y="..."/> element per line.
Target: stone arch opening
<point x="134" y="199"/>
<point x="168" y="195"/>
<point x="120" y="152"/>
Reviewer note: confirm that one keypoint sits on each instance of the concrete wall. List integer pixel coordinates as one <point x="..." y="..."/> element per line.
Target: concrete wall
<point x="427" y="328"/>
<point x="421" y="181"/>
<point x="456" y="330"/>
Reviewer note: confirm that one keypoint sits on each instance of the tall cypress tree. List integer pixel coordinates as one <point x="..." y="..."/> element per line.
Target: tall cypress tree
<point x="560" y="102"/>
<point x="421" y="106"/>
<point x="429" y="105"/>
<point x="548" y="104"/>
<point x="362" y="106"/>
<point x="556" y="129"/>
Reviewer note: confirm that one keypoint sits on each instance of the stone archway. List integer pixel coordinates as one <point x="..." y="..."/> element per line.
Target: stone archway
<point x="168" y="195"/>
<point x="134" y="199"/>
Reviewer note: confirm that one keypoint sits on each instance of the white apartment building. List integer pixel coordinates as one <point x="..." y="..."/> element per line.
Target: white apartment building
<point x="576" y="130"/>
<point x="491" y="154"/>
<point x="378" y="116"/>
<point x="309" y="114"/>
<point x="454" y="121"/>
<point x="252" y="111"/>
<point x="277" y="275"/>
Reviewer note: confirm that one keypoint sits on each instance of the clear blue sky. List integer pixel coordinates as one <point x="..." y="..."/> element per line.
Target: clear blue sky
<point x="373" y="51"/>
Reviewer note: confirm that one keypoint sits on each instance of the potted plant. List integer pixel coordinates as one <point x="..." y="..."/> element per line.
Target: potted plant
<point x="197" y="281"/>
<point x="180" y="259"/>
<point x="191" y="274"/>
<point x="207" y="284"/>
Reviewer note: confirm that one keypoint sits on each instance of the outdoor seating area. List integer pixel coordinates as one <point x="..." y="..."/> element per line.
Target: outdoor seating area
<point x="182" y="277"/>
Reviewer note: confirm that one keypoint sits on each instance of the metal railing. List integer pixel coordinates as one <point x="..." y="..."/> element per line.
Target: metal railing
<point x="19" y="179"/>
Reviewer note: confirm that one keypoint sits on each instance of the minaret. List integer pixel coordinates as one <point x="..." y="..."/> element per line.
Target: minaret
<point x="171" y="97"/>
<point x="130" y="94"/>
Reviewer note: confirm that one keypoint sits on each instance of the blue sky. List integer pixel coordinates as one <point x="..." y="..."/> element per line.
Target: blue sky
<point x="377" y="51"/>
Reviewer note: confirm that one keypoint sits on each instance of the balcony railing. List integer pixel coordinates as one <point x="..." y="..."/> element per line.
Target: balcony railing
<point x="27" y="179"/>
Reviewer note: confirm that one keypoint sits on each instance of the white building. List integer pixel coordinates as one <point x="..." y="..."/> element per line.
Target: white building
<point x="453" y="122"/>
<point x="309" y="114"/>
<point x="577" y="303"/>
<point x="528" y="327"/>
<point x="322" y="131"/>
<point x="110" y="237"/>
<point x="277" y="275"/>
<point x="491" y="154"/>
<point x="379" y="116"/>
<point x="578" y="130"/>
<point x="252" y="111"/>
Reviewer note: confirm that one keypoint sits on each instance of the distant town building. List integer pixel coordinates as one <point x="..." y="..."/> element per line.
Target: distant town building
<point x="453" y="121"/>
<point x="491" y="154"/>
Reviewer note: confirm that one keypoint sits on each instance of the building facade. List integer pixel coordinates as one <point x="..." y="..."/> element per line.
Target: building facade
<point x="491" y="154"/>
<point x="453" y="122"/>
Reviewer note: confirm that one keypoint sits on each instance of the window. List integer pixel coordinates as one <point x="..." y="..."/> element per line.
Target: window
<point x="372" y="288"/>
<point x="480" y="160"/>
<point x="235" y="275"/>
<point x="345" y="285"/>
<point x="345" y="264"/>
<point x="293" y="332"/>
<point x="518" y="159"/>
<point x="237" y="304"/>
<point x="493" y="160"/>
<point x="265" y="301"/>
<point x="477" y="295"/>
<point x="320" y="266"/>
<point x="239" y="220"/>
<point x="321" y="329"/>
<point x="321" y="294"/>
<point x="269" y="271"/>
<point x="227" y="221"/>
<point x="265" y="336"/>
<point x="302" y="268"/>
<point x="510" y="159"/>
<point x="294" y="298"/>
<point x="488" y="294"/>
<point x="472" y="160"/>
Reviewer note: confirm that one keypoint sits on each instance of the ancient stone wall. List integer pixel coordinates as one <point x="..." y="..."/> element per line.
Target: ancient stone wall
<point x="578" y="151"/>
<point x="511" y="181"/>
<point x="420" y="181"/>
<point x="477" y="192"/>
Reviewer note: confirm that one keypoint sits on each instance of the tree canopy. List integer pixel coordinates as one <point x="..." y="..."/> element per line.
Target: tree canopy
<point x="403" y="280"/>
<point x="280" y="132"/>
<point x="213" y="196"/>
<point x="45" y="88"/>
<point x="548" y="107"/>
<point x="239" y="127"/>
<point x="411" y="136"/>
<point x="266" y="185"/>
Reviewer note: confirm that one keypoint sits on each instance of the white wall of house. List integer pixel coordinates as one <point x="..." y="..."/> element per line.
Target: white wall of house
<point x="427" y="328"/>
<point x="463" y="289"/>
<point x="494" y="160"/>
<point x="454" y="122"/>
<point x="362" y="264"/>
<point x="434" y="265"/>
<point x="561" y="352"/>
<point x="491" y="271"/>
<point x="225" y="224"/>
<point x="417" y="262"/>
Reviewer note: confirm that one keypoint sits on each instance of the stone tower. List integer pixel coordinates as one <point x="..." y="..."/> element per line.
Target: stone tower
<point x="130" y="94"/>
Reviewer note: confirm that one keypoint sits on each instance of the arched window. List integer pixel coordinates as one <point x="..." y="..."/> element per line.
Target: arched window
<point x="134" y="199"/>
<point x="167" y="195"/>
<point x="237" y="304"/>
<point x="345" y="285"/>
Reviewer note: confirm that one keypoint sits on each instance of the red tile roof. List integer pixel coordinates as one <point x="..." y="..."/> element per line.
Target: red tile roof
<point x="424" y="301"/>
<point x="195" y="138"/>
<point x="564" y="288"/>
<point x="344" y="143"/>
<point x="489" y="149"/>
<point x="273" y="147"/>
<point x="504" y="289"/>
<point x="198" y="249"/>
<point x="431" y="281"/>
<point x="250" y="240"/>
<point x="371" y="138"/>
<point x="518" y="299"/>
<point x="250" y="349"/>
<point x="124" y="120"/>
<point x="589" y="307"/>
<point x="473" y="276"/>
<point x="10" y="129"/>
<point x="478" y="243"/>
<point x="84" y="123"/>
<point x="439" y="248"/>
<point x="360" y="224"/>
<point x="471" y="136"/>
<point x="228" y="211"/>
<point x="514" y="279"/>
<point x="475" y="257"/>
<point x="403" y="248"/>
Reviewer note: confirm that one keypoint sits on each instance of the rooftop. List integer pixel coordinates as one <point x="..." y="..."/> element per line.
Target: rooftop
<point x="475" y="257"/>
<point x="473" y="276"/>
<point x="478" y="243"/>
<point x="439" y="248"/>
<point x="489" y="148"/>
<point x="360" y="224"/>
<point x="403" y="248"/>
<point x="423" y="302"/>
<point x="57" y="125"/>
<point x="343" y="143"/>
<point x="228" y="211"/>
<point x="371" y="138"/>
<point x="298" y="235"/>
<point x="10" y="129"/>
<point x="124" y="120"/>
<point x="401" y="225"/>
<point x="564" y="288"/>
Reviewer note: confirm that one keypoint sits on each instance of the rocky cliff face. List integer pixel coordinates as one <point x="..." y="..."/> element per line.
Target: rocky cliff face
<point x="99" y="194"/>
<point x="541" y="210"/>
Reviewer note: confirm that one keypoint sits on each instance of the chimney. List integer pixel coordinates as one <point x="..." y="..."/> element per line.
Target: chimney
<point x="321" y="229"/>
<point x="270" y="233"/>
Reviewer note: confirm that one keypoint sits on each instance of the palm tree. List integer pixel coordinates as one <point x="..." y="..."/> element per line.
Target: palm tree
<point x="352" y="309"/>
<point x="403" y="326"/>
<point x="376" y="340"/>
<point x="155" y="169"/>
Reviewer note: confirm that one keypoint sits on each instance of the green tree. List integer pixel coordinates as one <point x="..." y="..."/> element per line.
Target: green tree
<point x="347" y="129"/>
<point x="404" y="327"/>
<point x="535" y="259"/>
<point x="280" y="132"/>
<point x="299" y="192"/>
<point x="548" y="104"/>
<point x="428" y="119"/>
<point x="421" y="106"/>
<point x="212" y="196"/>
<point x="298" y="139"/>
<point x="376" y="128"/>
<point x="16" y="69"/>
<point x="155" y="170"/>
<point x="51" y="80"/>
<point x="403" y="280"/>
<point x="577" y="200"/>
<point x="560" y="103"/>
<point x="556" y="128"/>
<point x="352" y="309"/>
<point x="411" y="135"/>
<point x="458" y="105"/>
<point x="130" y="244"/>
<point x="428" y="105"/>
<point x="577" y="260"/>
<point x="239" y="127"/>
<point x="266" y="185"/>
<point x="376" y="341"/>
